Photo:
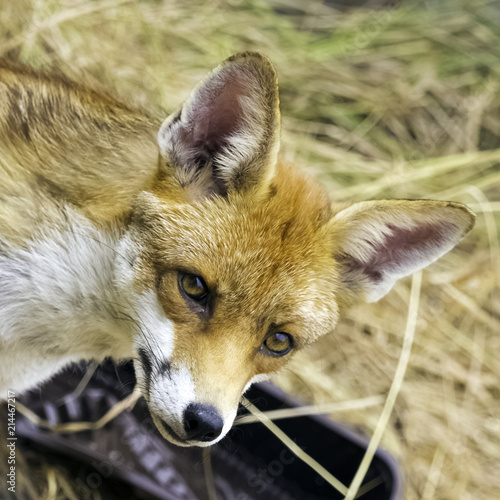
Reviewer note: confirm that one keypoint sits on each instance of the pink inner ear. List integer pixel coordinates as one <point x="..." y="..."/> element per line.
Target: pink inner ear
<point x="403" y="249"/>
<point x="216" y="116"/>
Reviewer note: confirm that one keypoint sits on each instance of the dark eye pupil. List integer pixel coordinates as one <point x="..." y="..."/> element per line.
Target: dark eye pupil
<point x="194" y="286"/>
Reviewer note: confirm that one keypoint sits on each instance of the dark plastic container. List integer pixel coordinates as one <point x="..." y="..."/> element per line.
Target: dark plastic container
<point x="128" y="459"/>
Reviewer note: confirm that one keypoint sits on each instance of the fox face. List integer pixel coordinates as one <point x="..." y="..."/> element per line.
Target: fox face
<point x="234" y="298"/>
<point x="233" y="261"/>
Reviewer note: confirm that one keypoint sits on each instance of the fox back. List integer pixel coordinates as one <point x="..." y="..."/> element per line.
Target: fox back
<point x="183" y="244"/>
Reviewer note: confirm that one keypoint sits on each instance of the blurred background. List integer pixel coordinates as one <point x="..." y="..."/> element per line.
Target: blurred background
<point x="379" y="100"/>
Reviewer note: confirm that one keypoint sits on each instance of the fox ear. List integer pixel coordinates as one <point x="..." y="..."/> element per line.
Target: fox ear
<point x="226" y="135"/>
<point x="379" y="242"/>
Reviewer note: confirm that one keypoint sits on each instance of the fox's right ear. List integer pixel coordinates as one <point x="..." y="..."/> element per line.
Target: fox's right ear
<point x="226" y="135"/>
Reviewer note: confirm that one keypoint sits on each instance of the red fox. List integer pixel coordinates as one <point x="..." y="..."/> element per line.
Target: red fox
<point x="185" y="245"/>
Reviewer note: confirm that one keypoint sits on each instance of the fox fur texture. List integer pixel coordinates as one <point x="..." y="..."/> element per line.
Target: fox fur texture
<point x="185" y="245"/>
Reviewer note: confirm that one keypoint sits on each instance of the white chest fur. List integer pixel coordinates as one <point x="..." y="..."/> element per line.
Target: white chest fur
<point x="58" y="303"/>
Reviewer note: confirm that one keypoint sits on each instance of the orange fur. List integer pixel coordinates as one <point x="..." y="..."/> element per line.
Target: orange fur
<point x="99" y="223"/>
<point x="269" y="264"/>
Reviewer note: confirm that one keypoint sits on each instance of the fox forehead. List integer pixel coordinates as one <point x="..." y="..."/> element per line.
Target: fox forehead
<point x="270" y="259"/>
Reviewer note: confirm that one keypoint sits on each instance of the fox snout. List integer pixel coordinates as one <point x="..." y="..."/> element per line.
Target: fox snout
<point x="184" y="414"/>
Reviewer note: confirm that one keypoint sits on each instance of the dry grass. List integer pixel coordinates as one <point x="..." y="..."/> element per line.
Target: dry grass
<point x="386" y="103"/>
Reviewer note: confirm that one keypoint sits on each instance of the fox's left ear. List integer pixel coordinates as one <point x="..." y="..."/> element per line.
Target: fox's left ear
<point x="378" y="242"/>
<point x="226" y="135"/>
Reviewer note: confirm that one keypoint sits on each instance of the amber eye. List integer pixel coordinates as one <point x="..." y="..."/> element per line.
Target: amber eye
<point x="193" y="286"/>
<point x="279" y="343"/>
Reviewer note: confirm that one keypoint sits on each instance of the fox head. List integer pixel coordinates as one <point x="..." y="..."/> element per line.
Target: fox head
<point x="233" y="261"/>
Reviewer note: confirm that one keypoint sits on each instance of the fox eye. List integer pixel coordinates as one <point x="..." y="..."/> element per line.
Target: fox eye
<point x="193" y="286"/>
<point x="279" y="344"/>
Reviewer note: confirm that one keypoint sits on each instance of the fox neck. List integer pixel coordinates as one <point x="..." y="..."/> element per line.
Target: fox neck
<point x="65" y="302"/>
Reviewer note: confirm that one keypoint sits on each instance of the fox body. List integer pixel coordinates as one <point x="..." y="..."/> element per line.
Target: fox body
<point x="185" y="245"/>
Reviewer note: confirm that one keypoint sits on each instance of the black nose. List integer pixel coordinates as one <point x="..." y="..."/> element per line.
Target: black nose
<point x="202" y="422"/>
